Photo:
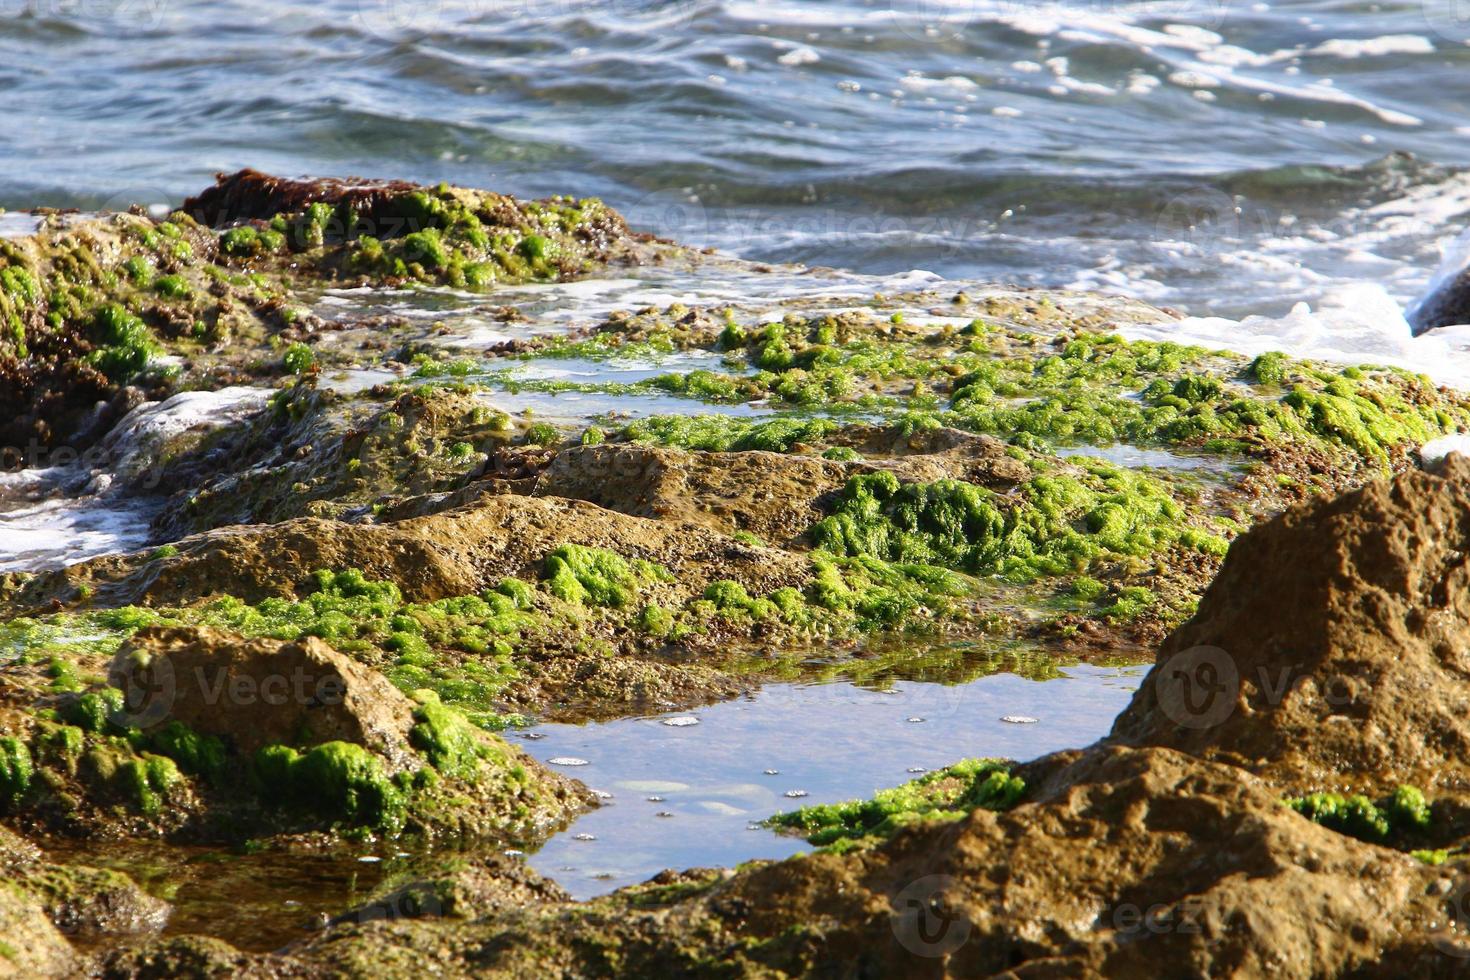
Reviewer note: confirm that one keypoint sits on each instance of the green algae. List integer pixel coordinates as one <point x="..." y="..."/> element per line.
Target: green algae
<point x="448" y="741"/>
<point x="1058" y="524"/>
<point x="196" y="754"/>
<point x="16" y="771"/>
<point x="147" y="781"/>
<point x="339" y="779"/>
<point x="1405" y="811"/>
<point x="1075" y="388"/>
<point x="591" y="576"/>
<point x="127" y="345"/>
<point x="655" y="620"/>
<point x="722" y="433"/>
<point x="93" y="712"/>
<point x="298" y="358"/>
<point x="946" y="794"/>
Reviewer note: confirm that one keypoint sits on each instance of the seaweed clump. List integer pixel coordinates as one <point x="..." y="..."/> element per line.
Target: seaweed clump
<point x="946" y="794"/>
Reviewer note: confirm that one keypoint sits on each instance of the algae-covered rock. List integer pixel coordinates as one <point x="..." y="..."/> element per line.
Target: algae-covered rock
<point x="1148" y="859"/>
<point x="776" y="497"/>
<point x="91" y="305"/>
<point x="1103" y="871"/>
<point x="327" y="742"/>
<point x="254" y="693"/>
<point x="46" y="907"/>
<point x="451" y="553"/>
<point x="30" y="945"/>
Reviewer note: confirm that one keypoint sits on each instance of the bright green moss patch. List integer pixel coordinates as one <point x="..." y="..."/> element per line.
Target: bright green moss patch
<point x="298" y="358"/>
<point x="1058" y="524"/>
<point x="338" y="779"/>
<point x="196" y="754"/>
<point x="723" y="433"/>
<point x="126" y="345"/>
<point x="1404" y="812"/>
<point x="542" y="434"/>
<point x="947" y="794"/>
<point x="876" y="593"/>
<point x="16" y="770"/>
<point x="448" y="741"/>
<point x="590" y="576"/>
<point x="655" y="620"/>
<point x="93" y="711"/>
<point x="1269" y="368"/>
<point x="147" y="780"/>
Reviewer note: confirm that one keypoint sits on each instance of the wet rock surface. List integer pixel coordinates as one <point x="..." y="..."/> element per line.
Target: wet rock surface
<point x="432" y="519"/>
<point x="1344" y="667"/>
<point x="1120" y="860"/>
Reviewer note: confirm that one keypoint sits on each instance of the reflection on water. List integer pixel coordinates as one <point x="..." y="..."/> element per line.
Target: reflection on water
<point x="686" y="790"/>
<point x="688" y="794"/>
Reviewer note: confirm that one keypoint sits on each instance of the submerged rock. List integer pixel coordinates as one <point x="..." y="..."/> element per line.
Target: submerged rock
<point x="50" y="911"/>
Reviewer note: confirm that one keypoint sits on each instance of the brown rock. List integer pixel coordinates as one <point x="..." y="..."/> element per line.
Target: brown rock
<point x="452" y="553"/>
<point x="261" y="692"/>
<point x="1333" y="649"/>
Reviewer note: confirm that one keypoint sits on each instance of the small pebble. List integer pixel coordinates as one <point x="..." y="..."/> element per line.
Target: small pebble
<point x="663" y="813"/>
<point x="585" y="837"/>
<point x="533" y="736"/>
<point x="602" y="794"/>
<point x="917" y="769"/>
<point x="683" y="721"/>
<point x="511" y="852"/>
<point x="915" y="721"/>
<point x="796" y="794"/>
<point x="603" y="876"/>
<point x="567" y="760"/>
<point x="1018" y="720"/>
<point x="655" y="799"/>
<point x="773" y="772"/>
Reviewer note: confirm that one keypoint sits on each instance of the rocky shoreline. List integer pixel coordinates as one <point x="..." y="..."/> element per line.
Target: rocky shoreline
<point x="352" y="590"/>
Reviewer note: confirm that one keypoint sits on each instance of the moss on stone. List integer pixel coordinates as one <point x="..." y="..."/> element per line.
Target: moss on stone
<point x="200" y="755"/>
<point x="590" y="576"/>
<point x="93" y="711"/>
<point x="339" y="780"/>
<point x="16" y="770"/>
<point x="946" y="794"/>
<point x="1058" y="524"/>
<point x="147" y="780"/>
<point x="448" y="741"/>
<point x="1404" y="812"/>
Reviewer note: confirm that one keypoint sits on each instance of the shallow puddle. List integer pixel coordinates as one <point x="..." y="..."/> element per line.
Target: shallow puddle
<point x="688" y="788"/>
<point x="258" y="902"/>
<point x="1138" y="457"/>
